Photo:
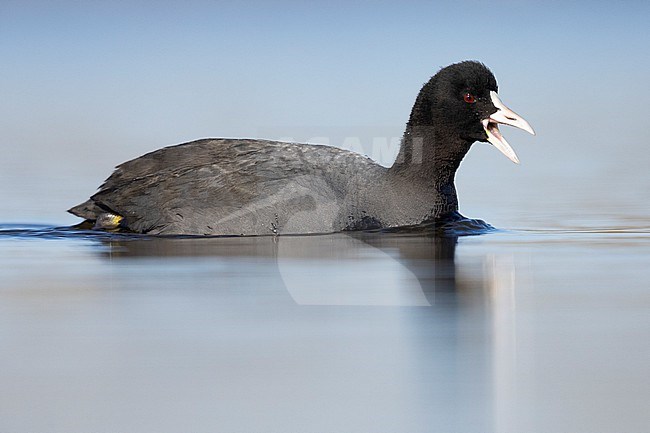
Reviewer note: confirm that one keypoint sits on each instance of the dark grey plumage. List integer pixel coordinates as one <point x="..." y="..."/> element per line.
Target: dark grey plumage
<point x="257" y="187"/>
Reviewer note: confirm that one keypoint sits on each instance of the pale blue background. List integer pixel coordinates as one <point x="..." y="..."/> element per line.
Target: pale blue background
<point x="87" y="85"/>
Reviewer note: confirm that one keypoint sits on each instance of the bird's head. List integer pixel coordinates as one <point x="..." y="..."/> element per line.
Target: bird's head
<point x="464" y="102"/>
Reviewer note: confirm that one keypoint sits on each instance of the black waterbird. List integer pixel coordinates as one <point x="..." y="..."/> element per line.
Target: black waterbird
<point x="258" y="187"/>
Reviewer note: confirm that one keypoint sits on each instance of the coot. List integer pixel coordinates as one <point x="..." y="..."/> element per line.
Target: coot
<point x="259" y="187"/>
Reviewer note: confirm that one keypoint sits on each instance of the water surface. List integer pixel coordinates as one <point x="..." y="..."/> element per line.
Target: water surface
<point x="511" y="331"/>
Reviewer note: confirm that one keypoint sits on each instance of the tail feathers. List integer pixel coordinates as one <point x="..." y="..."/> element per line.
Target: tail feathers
<point x="96" y="217"/>
<point x="87" y="210"/>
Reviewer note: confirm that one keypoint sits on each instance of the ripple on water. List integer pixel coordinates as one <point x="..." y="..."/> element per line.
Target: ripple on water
<point x="463" y="227"/>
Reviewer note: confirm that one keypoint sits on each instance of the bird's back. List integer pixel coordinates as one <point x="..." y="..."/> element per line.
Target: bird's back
<point x="228" y="186"/>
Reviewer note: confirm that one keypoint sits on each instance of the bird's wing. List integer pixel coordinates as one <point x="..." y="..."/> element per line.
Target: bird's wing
<point x="229" y="183"/>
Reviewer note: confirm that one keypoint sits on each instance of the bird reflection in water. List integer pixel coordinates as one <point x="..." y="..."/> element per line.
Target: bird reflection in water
<point x="450" y="332"/>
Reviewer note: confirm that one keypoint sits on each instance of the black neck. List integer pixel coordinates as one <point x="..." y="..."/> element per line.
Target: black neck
<point x="429" y="156"/>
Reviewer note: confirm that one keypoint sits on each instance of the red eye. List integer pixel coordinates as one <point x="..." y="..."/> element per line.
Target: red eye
<point x="469" y="98"/>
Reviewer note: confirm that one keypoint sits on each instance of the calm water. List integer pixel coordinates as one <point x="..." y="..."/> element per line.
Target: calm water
<point x="511" y="331"/>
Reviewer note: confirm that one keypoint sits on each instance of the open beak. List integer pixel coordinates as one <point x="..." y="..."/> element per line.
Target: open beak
<point x="507" y="117"/>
